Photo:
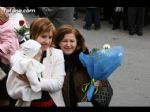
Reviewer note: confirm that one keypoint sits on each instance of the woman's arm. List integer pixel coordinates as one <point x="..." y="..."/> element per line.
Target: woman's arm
<point x="9" y="43"/>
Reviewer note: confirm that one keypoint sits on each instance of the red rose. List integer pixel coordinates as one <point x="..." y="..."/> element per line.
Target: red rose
<point x="21" y="22"/>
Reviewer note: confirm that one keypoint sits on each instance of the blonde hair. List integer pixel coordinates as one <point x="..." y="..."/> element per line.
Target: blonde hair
<point x="3" y="17"/>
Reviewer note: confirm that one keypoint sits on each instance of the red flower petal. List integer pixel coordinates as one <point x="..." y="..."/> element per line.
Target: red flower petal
<point x="21" y="22"/>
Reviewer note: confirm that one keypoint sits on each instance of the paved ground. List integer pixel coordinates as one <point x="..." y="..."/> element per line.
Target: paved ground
<point x="130" y="82"/>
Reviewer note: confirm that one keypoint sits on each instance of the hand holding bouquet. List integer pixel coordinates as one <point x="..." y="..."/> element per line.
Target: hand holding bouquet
<point x="100" y="64"/>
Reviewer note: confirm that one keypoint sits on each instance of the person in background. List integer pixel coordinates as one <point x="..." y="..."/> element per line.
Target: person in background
<point x="92" y="17"/>
<point x="136" y="20"/>
<point x="71" y="42"/>
<point x="146" y="16"/>
<point x="42" y="30"/>
<point x="14" y="22"/>
<point x="119" y="16"/>
<point x="76" y="15"/>
<point x="8" y="45"/>
<point x="59" y="15"/>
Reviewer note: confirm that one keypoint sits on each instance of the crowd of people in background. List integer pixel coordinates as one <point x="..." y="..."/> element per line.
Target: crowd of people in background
<point x="132" y="19"/>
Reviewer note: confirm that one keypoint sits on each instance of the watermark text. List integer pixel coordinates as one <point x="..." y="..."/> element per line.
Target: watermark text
<point x="20" y="10"/>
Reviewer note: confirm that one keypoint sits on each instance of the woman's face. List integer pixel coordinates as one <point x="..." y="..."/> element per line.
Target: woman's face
<point x="45" y="40"/>
<point x="68" y="44"/>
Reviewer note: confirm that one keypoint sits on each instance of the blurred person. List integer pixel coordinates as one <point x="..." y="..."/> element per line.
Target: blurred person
<point x="92" y="17"/>
<point x="59" y="15"/>
<point x="136" y="20"/>
<point x="8" y="45"/>
<point x="107" y="13"/>
<point x="14" y="20"/>
<point x="119" y="16"/>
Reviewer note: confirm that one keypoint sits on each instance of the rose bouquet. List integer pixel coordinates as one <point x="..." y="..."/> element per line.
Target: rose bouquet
<point x="22" y="31"/>
<point x="100" y="64"/>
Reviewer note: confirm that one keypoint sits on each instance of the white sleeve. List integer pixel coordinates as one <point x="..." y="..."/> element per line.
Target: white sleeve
<point x="32" y="77"/>
<point x="58" y="74"/>
<point x="119" y="9"/>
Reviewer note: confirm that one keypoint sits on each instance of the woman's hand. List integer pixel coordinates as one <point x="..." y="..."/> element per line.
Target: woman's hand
<point x="98" y="84"/>
<point x="23" y="78"/>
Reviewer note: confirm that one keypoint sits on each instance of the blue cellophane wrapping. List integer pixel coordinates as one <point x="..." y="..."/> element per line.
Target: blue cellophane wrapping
<point x="101" y="63"/>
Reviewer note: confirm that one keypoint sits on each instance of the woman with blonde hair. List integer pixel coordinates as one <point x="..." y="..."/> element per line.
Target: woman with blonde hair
<point x="8" y="45"/>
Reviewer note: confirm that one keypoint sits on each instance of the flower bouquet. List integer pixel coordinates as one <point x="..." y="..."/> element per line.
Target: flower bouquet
<point x="22" y="31"/>
<point x="100" y="64"/>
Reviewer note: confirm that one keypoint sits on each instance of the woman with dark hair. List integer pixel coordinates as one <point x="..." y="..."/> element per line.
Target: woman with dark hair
<point x="71" y="42"/>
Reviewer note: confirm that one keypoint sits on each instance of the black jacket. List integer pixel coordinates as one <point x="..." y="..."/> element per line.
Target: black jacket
<point x="76" y="76"/>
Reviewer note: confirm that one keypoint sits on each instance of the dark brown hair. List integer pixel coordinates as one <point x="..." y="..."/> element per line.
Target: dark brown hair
<point x="67" y="29"/>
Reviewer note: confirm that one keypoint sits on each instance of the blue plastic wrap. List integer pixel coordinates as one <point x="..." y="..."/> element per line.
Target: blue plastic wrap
<point x="90" y="92"/>
<point x="101" y="63"/>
